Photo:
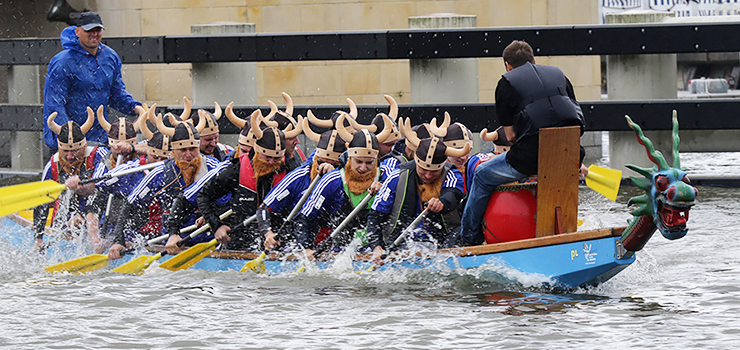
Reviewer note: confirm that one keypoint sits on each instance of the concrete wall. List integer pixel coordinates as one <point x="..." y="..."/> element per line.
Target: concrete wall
<point x="330" y="82"/>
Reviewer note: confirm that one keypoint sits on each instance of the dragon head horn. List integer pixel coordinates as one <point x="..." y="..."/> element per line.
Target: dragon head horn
<point x="655" y="156"/>
<point x="676" y="141"/>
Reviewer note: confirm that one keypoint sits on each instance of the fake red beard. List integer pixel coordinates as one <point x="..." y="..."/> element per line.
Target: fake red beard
<point x="263" y="168"/>
<point x="430" y="190"/>
<point x="359" y="183"/>
<point x="188" y="169"/>
<point x="72" y="168"/>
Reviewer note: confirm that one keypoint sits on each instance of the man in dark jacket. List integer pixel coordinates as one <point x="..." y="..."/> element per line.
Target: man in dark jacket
<point x="86" y="73"/>
<point x="528" y="97"/>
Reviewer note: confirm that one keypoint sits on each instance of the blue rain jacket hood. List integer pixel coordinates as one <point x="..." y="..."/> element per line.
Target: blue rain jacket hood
<point x="76" y="79"/>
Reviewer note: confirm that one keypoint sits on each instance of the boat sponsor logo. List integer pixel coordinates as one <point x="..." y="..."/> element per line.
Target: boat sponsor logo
<point x="589" y="254"/>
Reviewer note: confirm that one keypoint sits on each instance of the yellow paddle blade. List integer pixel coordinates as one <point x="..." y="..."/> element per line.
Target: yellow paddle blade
<point x="190" y="256"/>
<point x="138" y="265"/>
<point x="29" y="195"/>
<point x="80" y="265"/>
<point x="256" y="265"/>
<point x="604" y="181"/>
<point x="301" y="269"/>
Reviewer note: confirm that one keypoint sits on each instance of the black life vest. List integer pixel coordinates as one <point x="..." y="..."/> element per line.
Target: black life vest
<point x="404" y="207"/>
<point x="544" y="100"/>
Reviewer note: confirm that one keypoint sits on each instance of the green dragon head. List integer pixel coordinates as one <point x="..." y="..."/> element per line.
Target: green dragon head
<point x="668" y="193"/>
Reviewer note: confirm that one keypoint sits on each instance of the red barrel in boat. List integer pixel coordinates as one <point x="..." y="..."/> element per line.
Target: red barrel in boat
<point x="510" y="215"/>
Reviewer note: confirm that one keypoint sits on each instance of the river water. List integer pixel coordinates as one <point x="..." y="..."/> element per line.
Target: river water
<point x="678" y="294"/>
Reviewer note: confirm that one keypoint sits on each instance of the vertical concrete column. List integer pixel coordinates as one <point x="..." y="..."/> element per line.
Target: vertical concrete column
<point x="444" y="80"/>
<point x="639" y="77"/>
<point x="26" y="147"/>
<point x="224" y="82"/>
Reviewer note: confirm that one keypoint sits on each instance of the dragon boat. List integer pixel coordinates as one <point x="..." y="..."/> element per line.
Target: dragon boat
<point x="529" y="228"/>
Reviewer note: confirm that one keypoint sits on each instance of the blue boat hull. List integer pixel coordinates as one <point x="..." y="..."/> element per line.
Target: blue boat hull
<point x="564" y="261"/>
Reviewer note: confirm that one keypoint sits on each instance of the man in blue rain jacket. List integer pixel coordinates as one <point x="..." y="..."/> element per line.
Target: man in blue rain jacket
<point x="85" y="74"/>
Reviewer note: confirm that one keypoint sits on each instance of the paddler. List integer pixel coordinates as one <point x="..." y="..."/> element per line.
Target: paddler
<point x="427" y="182"/>
<point x="167" y="181"/>
<point x="285" y="196"/>
<point x="247" y="181"/>
<point x="340" y="191"/>
<point x="157" y="149"/>
<point x="74" y="159"/>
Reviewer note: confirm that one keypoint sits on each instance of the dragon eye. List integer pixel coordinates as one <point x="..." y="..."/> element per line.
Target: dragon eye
<point x="686" y="179"/>
<point x="661" y="182"/>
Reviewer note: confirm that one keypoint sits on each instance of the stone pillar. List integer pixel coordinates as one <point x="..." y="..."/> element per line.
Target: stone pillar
<point x="224" y="82"/>
<point x="639" y="77"/>
<point x="26" y="147"/>
<point x="444" y="80"/>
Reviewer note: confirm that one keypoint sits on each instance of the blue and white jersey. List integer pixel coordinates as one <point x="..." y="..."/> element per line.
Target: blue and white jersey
<point x="191" y="193"/>
<point x="123" y="184"/>
<point x="328" y="196"/>
<point x="387" y="195"/>
<point x="290" y="189"/>
<point x="151" y="185"/>
<point x="470" y="166"/>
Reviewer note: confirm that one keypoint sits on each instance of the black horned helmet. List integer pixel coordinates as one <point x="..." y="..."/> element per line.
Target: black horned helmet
<point x="71" y="136"/>
<point x="270" y="141"/>
<point x="329" y="144"/>
<point x="431" y="153"/>
<point x="183" y="135"/>
<point x="363" y="142"/>
<point x="332" y="122"/>
<point x="246" y="137"/>
<point x="158" y="144"/>
<point x="455" y="135"/>
<point x="122" y="130"/>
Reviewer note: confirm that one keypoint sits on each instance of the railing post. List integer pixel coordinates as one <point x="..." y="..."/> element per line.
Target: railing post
<point x="26" y="147"/>
<point x="224" y="82"/>
<point x="448" y="80"/>
<point x="639" y="77"/>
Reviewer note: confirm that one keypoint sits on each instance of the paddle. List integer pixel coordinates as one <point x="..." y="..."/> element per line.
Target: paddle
<point x="95" y="261"/>
<point x="29" y="195"/>
<point x="192" y="255"/>
<point x="257" y="265"/>
<point x="604" y="181"/>
<point x="110" y="198"/>
<point x="138" y="265"/>
<point x="326" y="243"/>
<point x="401" y="237"/>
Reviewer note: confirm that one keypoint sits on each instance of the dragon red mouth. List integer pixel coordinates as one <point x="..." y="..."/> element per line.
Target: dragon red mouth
<point x="672" y="219"/>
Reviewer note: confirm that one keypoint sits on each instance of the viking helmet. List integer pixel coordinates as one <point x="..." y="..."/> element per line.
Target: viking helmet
<point x="431" y="153"/>
<point x="71" y="136"/>
<point x="211" y="126"/>
<point x="329" y="144"/>
<point x="363" y="142"/>
<point x="455" y="135"/>
<point x="422" y="131"/>
<point x="246" y="137"/>
<point x="158" y="144"/>
<point x="184" y="134"/>
<point x="270" y="141"/>
<point x="122" y="130"/>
